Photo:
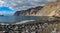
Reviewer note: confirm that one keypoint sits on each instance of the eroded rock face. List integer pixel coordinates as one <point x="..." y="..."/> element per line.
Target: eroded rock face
<point x="29" y="12"/>
<point x="50" y="9"/>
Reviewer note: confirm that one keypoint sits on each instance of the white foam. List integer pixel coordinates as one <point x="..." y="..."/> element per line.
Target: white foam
<point x="25" y="21"/>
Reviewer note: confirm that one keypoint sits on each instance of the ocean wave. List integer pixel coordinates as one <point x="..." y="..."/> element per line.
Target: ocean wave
<point x="25" y="21"/>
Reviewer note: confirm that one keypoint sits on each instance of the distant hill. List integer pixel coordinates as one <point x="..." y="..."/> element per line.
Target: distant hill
<point x="50" y="9"/>
<point x="29" y="12"/>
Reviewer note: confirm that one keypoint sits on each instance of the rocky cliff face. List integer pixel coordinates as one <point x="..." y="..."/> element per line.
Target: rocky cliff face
<point x="29" y="12"/>
<point x="50" y="9"/>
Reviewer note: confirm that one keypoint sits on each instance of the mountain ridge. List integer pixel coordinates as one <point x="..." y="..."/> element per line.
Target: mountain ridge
<point x="28" y="12"/>
<point x="50" y="9"/>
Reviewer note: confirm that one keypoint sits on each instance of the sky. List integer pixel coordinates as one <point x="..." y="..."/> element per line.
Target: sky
<point x="6" y="11"/>
<point x="8" y="7"/>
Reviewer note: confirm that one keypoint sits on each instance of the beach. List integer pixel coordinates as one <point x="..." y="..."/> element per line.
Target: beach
<point x="31" y="26"/>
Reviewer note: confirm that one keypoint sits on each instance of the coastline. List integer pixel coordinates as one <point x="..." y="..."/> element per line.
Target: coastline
<point x="30" y="25"/>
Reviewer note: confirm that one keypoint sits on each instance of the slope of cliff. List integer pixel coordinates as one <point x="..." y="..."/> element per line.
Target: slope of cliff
<point x="29" y="12"/>
<point x="50" y="9"/>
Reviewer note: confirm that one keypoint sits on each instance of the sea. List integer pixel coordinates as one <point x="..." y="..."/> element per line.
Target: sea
<point x="11" y="19"/>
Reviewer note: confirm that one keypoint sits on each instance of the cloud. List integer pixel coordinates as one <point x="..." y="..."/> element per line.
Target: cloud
<point x="23" y="4"/>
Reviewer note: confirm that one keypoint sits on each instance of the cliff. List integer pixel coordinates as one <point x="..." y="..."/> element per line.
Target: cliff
<point x="29" y="12"/>
<point x="50" y="9"/>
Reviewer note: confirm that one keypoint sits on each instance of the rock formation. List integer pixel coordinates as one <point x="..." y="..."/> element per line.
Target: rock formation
<point x="29" y="12"/>
<point x="50" y="9"/>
